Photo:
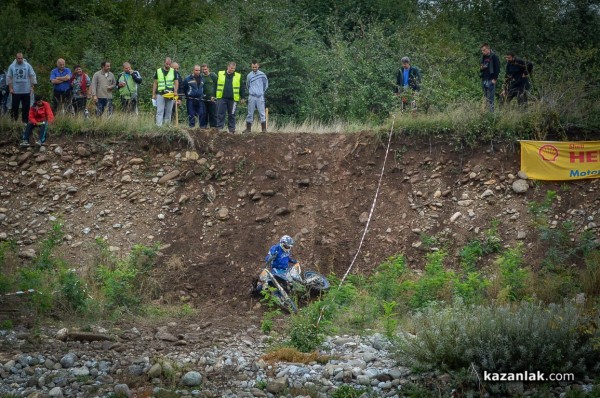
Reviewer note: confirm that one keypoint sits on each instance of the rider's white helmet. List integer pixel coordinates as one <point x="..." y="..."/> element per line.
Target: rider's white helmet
<point x="286" y="242"/>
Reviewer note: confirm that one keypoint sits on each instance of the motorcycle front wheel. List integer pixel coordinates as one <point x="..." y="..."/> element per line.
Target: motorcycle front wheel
<point x="285" y="303"/>
<point x="316" y="281"/>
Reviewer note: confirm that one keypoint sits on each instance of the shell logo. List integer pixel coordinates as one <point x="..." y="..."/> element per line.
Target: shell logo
<point x="548" y="153"/>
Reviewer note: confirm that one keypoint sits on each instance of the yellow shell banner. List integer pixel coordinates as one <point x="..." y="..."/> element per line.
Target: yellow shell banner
<point x="550" y="160"/>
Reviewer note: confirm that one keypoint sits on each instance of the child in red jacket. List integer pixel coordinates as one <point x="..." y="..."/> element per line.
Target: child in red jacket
<point x="40" y="114"/>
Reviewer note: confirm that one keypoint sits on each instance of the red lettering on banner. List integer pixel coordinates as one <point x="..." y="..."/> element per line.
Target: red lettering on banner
<point x="580" y="155"/>
<point x="584" y="157"/>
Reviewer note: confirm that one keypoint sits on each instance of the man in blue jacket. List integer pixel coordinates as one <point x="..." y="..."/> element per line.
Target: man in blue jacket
<point x="60" y="77"/>
<point x="194" y="94"/>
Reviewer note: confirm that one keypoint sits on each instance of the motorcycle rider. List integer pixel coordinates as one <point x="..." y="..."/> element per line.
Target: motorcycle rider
<point x="279" y="256"/>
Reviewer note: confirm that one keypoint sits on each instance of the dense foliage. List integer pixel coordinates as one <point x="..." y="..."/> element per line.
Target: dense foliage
<point x="326" y="60"/>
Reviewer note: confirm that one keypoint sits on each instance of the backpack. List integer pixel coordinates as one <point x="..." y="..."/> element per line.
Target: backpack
<point x="3" y="85"/>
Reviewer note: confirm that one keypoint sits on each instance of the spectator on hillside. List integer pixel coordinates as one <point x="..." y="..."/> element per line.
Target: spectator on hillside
<point x="516" y="78"/>
<point x="127" y="82"/>
<point x="3" y="92"/>
<point x="408" y="83"/>
<point x="489" y="68"/>
<point x="60" y="77"/>
<point x="209" y="114"/>
<point x="80" y="86"/>
<point x="40" y="115"/>
<point x="21" y="80"/>
<point x="257" y="85"/>
<point x="165" y="83"/>
<point x="229" y="93"/>
<point x="194" y="94"/>
<point x="103" y="84"/>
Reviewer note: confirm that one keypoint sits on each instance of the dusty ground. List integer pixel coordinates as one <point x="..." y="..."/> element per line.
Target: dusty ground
<point x="231" y="197"/>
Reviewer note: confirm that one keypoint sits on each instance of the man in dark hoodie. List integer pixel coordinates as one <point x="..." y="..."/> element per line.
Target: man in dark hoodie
<point x="194" y="94"/>
<point x="489" y="68"/>
<point x="21" y="80"/>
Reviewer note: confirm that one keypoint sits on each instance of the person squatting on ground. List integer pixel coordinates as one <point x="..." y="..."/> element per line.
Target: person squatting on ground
<point x="257" y="85"/>
<point x="408" y="78"/>
<point x="229" y="93"/>
<point x="165" y="82"/>
<point x="40" y="115"/>
<point x="103" y="84"/>
<point x="127" y="82"/>
<point x="209" y="113"/>
<point x="489" y="68"/>
<point x="21" y="80"/>
<point x="60" y="77"/>
<point x="194" y="94"/>
<point x="516" y="78"/>
<point x="80" y="85"/>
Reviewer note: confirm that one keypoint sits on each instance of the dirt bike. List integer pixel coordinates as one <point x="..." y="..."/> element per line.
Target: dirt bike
<point x="287" y="284"/>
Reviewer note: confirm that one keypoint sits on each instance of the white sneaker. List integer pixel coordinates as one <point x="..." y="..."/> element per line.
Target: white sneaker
<point x="39" y="143"/>
<point x="24" y="144"/>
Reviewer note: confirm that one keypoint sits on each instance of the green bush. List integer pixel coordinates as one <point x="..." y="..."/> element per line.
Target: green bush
<point x="73" y="291"/>
<point x="501" y="338"/>
<point x="435" y="284"/>
<point x="513" y="278"/>
<point x="386" y="283"/>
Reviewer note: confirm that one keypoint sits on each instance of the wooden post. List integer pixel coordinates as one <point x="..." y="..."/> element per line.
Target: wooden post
<point x="176" y="112"/>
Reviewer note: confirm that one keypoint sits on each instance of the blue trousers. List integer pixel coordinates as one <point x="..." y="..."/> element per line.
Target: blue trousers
<point x="29" y="129"/>
<point x="195" y="108"/>
<point x="226" y="106"/>
<point x="489" y="92"/>
<point x="104" y="103"/>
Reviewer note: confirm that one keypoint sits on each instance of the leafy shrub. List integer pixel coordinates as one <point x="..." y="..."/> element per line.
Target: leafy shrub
<point x="386" y="283"/>
<point x="590" y="275"/>
<point x="126" y="283"/>
<point x="434" y="285"/>
<point x="9" y="260"/>
<point x="471" y="288"/>
<point x="306" y="332"/>
<point x="513" y="278"/>
<point x="44" y="259"/>
<point x="73" y="291"/>
<point x="500" y="338"/>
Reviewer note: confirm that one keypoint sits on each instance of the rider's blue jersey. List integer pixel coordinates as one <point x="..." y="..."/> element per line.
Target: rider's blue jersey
<point x="281" y="258"/>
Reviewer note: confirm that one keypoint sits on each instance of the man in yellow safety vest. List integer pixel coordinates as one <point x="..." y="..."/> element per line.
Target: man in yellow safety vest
<point x="229" y="93"/>
<point x="165" y="84"/>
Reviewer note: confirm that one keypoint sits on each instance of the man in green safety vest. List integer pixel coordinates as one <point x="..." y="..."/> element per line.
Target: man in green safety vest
<point x="165" y="82"/>
<point x="229" y="93"/>
<point x="128" y="82"/>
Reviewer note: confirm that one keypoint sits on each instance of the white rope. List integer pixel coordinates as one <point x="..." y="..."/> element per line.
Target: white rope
<point x="372" y="206"/>
<point x="362" y="239"/>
